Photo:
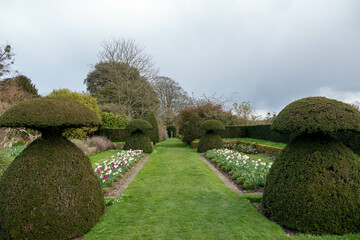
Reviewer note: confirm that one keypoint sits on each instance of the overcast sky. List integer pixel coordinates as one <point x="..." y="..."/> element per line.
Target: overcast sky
<point x="268" y="52"/>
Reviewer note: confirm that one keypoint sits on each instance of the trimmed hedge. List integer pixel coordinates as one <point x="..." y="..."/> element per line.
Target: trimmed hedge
<point x="234" y="132"/>
<point x="314" y="187"/>
<point x="209" y="141"/>
<point x="171" y="131"/>
<point x="49" y="192"/>
<point x="115" y="134"/>
<point x="154" y="132"/>
<point x="138" y="141"/>
<point x="317" y="114"/>
<point x="44" y="113"/>
<point x="192" y="131"/>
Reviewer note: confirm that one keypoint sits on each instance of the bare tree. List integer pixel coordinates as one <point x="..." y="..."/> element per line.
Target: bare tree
<point x="121" y="50"/>
<point x="172" y="98"/>
<point x="6" y="59"/>
<point x="245" y="112"/>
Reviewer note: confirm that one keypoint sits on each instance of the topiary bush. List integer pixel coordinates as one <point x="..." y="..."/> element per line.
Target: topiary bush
<point x="192" y="131"/>
<point x="211" y="139"/>
<point x="171" y="131"/>
<point x="314" y="184"/>
<point x="50" y="190"/>
<point x="154" y="132"/>
<point x="138" y="139"/>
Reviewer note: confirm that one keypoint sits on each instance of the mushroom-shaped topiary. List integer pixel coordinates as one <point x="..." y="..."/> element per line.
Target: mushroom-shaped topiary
<point x="211" y="139"/>
<point x="314" y="184"/>
<point x="50" y="190"/>
<point x="138" y="139"/>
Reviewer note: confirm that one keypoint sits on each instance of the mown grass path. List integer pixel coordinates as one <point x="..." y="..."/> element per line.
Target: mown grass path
<point x="177" y="196"/>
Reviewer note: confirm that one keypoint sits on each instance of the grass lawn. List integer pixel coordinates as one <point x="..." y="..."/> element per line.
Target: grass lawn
<point x="100" y="157"/>
<point x="177" y="196"/>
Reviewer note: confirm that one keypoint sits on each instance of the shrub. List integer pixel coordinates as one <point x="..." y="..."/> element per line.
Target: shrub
<point x="113" y="120"/>
<point x="211" y="139"/>
<point x="192" y="131"/>
<point x="57" y="205"/>
<point x="171" y="131"/>
<point x="162" y="133"/>
<point x="84" y="99"/>
<point x="313" y="185"/>
<point x="154" y="132"/>
<point x="100" y="143"/>
<point x="115" y="134"/>
<point x="138" y="139"/>
<point x="49" y="191"/>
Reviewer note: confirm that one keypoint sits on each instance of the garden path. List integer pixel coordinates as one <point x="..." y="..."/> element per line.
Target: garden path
<point x="177" y="196"/>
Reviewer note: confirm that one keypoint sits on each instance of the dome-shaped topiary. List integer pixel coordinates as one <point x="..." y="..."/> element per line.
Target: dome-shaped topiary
<point x="44" y="113"/>
<point x="154" y="132"/>
<point x="50" y="190"/>
<point x="314" y="187"/>
<point x="138" y="125"/>
<point x="211" y="139"/>
<point x="317" y="114"/>
<point x="138" y="139"/>
<point x="212" y="125"/>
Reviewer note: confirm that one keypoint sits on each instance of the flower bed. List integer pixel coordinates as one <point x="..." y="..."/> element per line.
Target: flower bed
<point x="250" y="173"/>
<point x="111" y="170"/>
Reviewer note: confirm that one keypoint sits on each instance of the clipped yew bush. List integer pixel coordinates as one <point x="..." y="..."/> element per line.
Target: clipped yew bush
<point x="171" y="131"/>
<point x="192" y="131"/>
<point x="154" y="132"/>
<point x="138" y="139"/>
<point x="314" y="184"/>
<point x="50" y="190"/>
<point x="211" y="138"/>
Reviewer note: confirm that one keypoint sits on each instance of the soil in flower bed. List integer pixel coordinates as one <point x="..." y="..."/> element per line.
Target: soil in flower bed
<point x="228" y="180"/>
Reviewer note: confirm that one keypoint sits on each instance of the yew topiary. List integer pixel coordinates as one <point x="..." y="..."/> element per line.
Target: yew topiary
<point x="192" y="131"/>
<point x="154" y="132"/>
<point x="211" y="139"/>
<point x="314" y="184"/>
<point x="171" y="131"/>
<point x="138" y="139"/>
<point x="50" y="190"/>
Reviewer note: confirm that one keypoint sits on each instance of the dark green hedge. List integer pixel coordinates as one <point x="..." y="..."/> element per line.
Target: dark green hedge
<point x="314" y="187"/>
<point x="234" y="132"/>
<point x="115" y="134"/>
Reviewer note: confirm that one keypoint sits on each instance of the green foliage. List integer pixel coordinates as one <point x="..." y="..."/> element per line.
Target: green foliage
<point x="171" y="131"/>
<point x="138" y="125"/>
<point x="314" y="187"/>
<point x="212" y="125"/>
<point x="84" y="99"/>
<point x="138" y="141"/>
<point x="6" y="59"/>
<point x="49" y="192"/>
<point x="115" y="134"/>
<point x="317" y="114"/>
<point x="210" y="141"/>
<point x="154" y="132"/>
<point x="26" y="85"/>
<point x="122" y="84"/>
<point x="193" y="128"/>
<point x="45" y="113"/>
<point x="234" y="132"/>
<point x="113" y="120"/>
